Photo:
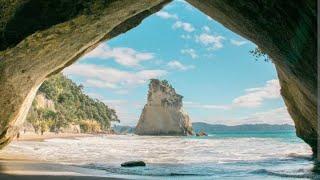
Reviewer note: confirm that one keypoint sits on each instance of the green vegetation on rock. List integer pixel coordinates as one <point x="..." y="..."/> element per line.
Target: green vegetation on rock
<point x="70" y="106"/>
<point x="257" y="53"/>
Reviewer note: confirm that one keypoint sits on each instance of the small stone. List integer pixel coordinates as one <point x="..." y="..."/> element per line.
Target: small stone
<point x="201" y="134"/>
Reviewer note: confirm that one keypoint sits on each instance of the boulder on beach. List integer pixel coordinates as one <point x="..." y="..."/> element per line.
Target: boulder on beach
<point x="202" y="133"/>
<point x="133" y="164"/>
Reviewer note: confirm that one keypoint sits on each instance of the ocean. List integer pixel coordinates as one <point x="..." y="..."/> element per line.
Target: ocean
<point x="251" y="155"/>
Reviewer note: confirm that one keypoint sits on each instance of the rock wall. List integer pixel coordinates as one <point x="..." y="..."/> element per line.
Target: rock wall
<point x="42" y="102"/>
<point x="163" y="113"/>
<point x="287" y="32"/>
<point x="71" y="128"/>
<point x="40" y="38"/>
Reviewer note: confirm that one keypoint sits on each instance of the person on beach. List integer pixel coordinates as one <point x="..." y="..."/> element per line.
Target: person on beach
<point x="18" y="135"/>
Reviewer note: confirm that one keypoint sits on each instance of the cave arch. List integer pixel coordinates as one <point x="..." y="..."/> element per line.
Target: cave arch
<point x="35" y="45"/>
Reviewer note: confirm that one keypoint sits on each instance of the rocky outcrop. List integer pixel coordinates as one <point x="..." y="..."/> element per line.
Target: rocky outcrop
<point x="163" y="113"/>
<point x="40" y="38"/>
<point x="71" y="128"/>
<point x="42" y="102"/>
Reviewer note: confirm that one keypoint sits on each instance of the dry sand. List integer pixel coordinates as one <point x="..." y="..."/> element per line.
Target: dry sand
<point x="30" y="136"/>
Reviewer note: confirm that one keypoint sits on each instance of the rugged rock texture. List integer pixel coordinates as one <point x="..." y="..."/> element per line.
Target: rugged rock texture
<point x="42" y="102"/>
<point x="71" y="128"/>
<point x="163" y="113"/>
<point x="286" y="31"/>
<point x="40" y="38"/>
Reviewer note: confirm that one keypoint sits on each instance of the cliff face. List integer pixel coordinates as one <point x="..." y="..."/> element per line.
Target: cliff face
<point x="163" y="113"/>
<point x="43" y="102"/>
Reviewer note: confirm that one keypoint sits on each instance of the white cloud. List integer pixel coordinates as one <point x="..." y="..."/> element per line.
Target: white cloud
<point x="183" y="25"/>
<point x="274" y="116"/>
<point x="185" y="36"/>
<point x="100" y="84"/>
<point x="238" y="42"/>
<point x="179" y="66"/>
<point x="190" y="52"/>
<point x="189" y="104"/>
<point x="112" y="78"/>
<point x="255" y="96"/>
<point x="122" y="55"/>
<point x="213" y="42"/>
<point x="166" y="15"/>
<point x="206" y="29"/>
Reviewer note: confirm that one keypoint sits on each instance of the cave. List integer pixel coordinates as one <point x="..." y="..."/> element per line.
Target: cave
<point x="41" y="38"/>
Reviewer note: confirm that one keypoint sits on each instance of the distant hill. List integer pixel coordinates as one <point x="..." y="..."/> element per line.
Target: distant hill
<point x="220" y="128"/>
<point x="217" y="128"/>
<point x="60" y="103"/>
<point x="123" y="129"/>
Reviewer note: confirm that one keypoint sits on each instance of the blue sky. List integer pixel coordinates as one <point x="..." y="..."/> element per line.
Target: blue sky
<point x="209" y="65"/>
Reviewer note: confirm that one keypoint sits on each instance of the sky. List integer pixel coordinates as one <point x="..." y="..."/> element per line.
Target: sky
<point x="222" y="83"/>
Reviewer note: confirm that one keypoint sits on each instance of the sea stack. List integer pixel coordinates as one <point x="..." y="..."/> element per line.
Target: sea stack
<point x="163" y="114"/>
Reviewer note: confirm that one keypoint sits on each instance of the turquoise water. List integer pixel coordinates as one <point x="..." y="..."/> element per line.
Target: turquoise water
<point x="251" y="155"/>
<point x="288" y="136"/>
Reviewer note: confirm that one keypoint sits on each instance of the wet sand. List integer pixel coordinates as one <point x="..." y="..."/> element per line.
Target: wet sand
<point x="27" y="169"/>
<point x="19" y="167"/>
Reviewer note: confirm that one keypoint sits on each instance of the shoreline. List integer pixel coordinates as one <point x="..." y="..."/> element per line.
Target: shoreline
<point x="30" y="136"/>
<point x="27" y="168"/>
<point x="37" y="170"/>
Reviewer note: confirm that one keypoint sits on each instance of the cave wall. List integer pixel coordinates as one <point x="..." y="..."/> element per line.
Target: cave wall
<point x="51" y="42"/>
<point x="40" y="38"/>
<point x="287" y="32"/>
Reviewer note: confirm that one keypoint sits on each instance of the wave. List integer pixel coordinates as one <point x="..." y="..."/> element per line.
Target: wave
<point x="309" y="175"/>
<point x="140" y="171"/>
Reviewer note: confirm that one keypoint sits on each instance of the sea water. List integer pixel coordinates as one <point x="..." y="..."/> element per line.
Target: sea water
<point x="251" y="155"/>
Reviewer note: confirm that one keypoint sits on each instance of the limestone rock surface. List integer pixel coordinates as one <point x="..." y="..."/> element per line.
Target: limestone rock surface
<point x="163" y="114"/>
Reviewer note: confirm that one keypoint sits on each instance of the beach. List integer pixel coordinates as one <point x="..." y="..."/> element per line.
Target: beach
<point x="34" y="170"/>
<point x="227" y="156"/>
<point x="16" y="167"/>
<point x="220" y="155"/>
<point x="31" y="136"/>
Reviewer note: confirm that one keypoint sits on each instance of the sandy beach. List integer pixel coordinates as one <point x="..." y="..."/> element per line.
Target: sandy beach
<point x="30" y="136"/>
<point x="80" y="156"/>
<point x="35" y="170"/>
<point x="21" y="167"/>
